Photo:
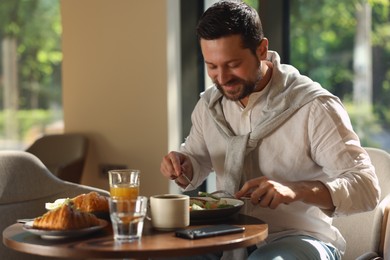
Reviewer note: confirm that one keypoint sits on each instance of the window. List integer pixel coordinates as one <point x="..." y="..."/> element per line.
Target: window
<point x="30" y="71"/>
<point x="344" y="45"/>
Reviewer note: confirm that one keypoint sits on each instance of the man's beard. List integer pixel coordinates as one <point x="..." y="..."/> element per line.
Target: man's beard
<point x="245" y="88"/>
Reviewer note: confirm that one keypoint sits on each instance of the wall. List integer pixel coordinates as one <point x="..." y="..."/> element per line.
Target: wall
<point x="115" y="85"/>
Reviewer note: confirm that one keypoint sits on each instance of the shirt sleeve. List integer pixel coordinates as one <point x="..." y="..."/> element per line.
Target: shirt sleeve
<point x="349" y="174"/>
<point x="195" y="147"/>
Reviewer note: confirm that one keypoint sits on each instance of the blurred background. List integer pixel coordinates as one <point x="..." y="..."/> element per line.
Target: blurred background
<point x="61" y="62"/>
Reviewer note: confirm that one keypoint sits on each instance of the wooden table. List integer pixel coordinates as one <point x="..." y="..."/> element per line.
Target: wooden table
<point x="153" y="243"/>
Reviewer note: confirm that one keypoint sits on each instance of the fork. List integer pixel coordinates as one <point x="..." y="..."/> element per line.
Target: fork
<point x="189" y="181"/>
<point x="218" y="194"/>
<point x="223" y="194"/>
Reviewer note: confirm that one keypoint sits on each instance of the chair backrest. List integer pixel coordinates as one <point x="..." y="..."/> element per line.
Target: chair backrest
<point x="25" y="186"/>
<point x="63" y="154"/>
<point x="385" y="232"/>
<point x="362" y="231"/>
<point x="386" y="235"/>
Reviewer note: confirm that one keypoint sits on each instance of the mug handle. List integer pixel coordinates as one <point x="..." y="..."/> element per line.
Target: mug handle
<point x="148" y="217"/>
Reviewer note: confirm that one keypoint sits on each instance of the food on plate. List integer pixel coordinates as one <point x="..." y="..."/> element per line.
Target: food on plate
<point x="202" y="204"/>
<point x="206" y="194"/>
<point x="91" y="202"/>
<point x="65" y="217"/>
<point x="74" y="213"/>
<point x="56" y="204"/>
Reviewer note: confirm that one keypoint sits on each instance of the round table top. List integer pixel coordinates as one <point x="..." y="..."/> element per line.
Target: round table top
<point x="153" y="243"/>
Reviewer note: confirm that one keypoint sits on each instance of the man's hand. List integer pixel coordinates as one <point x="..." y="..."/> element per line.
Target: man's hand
<point x="268" y="193"/>
<point x="174" y="165"/>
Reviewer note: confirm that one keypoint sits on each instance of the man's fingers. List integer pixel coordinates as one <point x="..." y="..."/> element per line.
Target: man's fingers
<point x="176" y="164"/>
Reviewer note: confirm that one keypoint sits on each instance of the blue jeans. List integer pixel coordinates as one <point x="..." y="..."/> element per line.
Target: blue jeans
<point x="294" y="248"/>
<point x="285" y="248"/>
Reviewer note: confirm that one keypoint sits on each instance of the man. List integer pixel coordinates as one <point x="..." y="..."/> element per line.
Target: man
<point x="272" y="133"/>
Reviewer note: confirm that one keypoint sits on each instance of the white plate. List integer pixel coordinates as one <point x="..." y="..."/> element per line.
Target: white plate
<point x="216" y="214"/>
<point x="60" y="234"/>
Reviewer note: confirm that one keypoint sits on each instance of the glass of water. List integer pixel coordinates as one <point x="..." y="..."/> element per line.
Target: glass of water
<point x="127" y="218"/>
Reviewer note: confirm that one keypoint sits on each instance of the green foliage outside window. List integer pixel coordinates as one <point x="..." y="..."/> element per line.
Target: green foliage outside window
<point x="30" y="66"/>
<point x="323" y="37"/>
<point x="253" y="3"/>
<point x="29" y="121"/>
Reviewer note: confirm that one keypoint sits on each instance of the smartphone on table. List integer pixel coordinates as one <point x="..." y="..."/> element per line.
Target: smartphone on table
<point x="209" y="231"/>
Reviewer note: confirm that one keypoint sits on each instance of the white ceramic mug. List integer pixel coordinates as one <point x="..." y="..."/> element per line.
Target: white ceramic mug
<point x="170" y="211"/>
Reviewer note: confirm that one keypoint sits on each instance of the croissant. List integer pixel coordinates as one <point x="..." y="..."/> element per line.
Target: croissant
<point x="65" y="217"/>
<point x="91" y="202"/>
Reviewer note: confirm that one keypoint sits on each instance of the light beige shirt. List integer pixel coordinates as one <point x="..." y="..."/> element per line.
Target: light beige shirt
<point x="316" y="143"/>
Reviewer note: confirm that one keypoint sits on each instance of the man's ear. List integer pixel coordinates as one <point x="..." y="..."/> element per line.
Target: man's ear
<point x="262" y="49"/>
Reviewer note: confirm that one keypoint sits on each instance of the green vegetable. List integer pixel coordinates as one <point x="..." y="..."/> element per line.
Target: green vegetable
<point x="208" y="205"/>
<point x="206" y="194"/>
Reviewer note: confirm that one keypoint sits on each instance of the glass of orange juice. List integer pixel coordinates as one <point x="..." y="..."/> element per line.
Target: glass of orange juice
<point x="124" y="183"/>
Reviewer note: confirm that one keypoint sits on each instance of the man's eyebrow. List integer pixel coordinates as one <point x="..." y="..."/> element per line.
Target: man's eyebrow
<point x="229" y="61"/>
<point x="209" y="63"/>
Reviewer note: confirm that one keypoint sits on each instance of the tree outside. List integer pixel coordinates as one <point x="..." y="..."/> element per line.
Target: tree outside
<point x="30" y="70"/>
<point x="344" y="45"/>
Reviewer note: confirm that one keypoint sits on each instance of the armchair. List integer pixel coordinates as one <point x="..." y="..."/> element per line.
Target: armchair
<point x="25" y="186"/>
<point x="366" y="233"/>
<point x="63" y="154"/>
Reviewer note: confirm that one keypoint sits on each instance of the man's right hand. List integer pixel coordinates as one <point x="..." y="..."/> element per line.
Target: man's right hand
<point x="174" y="165"/>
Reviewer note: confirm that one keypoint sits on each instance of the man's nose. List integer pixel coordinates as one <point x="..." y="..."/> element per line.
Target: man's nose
<point x="223" y="76"/>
